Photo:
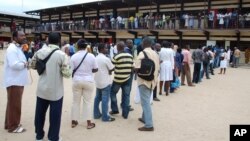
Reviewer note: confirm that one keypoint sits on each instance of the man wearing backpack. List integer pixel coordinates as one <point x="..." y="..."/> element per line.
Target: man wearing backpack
<point x="147" y="86"/>
<point x="50" y="89"/>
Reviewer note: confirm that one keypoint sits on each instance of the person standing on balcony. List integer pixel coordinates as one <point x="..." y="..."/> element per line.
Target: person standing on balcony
<point x="234" y="19"/>
<point x="211" y="20"/>
<point x="199" y="20"/>
<point x="242" y="21"/>
<point x="191" y="21"/>
<point x="163" y="21"/>
<point x="186" y="17"/>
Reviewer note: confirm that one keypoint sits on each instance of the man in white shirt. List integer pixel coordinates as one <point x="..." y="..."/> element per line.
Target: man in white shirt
<point x="103" y="82"/>
<point x="15" y="78"/>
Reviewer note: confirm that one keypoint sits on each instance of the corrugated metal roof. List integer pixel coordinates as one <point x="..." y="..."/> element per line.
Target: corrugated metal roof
<point x="23" y="15"/>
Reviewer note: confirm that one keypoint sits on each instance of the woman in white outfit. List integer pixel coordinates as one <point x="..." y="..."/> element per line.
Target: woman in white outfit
<point x="223" y="62"/>
<point x="167" y="66"/>
<point x="83" y="84"/>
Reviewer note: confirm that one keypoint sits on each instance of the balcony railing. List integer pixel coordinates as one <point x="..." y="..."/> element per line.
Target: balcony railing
<point x="193" y="24"/>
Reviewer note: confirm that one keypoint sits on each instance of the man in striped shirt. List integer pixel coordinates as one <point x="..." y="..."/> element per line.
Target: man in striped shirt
<point x="123" y="63"/>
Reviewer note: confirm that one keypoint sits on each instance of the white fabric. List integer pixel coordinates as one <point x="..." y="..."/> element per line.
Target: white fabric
<point x="186" y="17"/>
<point x="137" y="98"/>
<point x="167" y="65"/>
<point x="82" y="90"/>
<point x="15" y="72"/>
<point x="84" y="72"/>
<point x="166" y="72"/>
<point x="223" y="63"/>
<point x="102" y="77"/>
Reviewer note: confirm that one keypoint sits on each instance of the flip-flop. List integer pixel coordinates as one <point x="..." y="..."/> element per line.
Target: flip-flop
<point x="92" y="125"/>
<point x="19" y="129"/>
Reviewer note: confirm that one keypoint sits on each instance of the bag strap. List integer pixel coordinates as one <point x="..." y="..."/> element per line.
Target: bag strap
<point x="146" y="56"/>
<point x="79" y="64"/>
<point x="47" y="58"/>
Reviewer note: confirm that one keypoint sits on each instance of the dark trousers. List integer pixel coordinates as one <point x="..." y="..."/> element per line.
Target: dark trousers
<point x="205" y="68"/>
<point x="13" y="109"/>
<point x="155" y="92"/>
<point x="211" y="68"/>
<point x="54" y="118"/>
<point x="196" y="74"/>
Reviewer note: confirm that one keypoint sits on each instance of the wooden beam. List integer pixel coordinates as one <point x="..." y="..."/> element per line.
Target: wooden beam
<point x="156" y="34"/>
<point x="113" y="34"/>
<point x="207" y="34"/>
<point x="135" y="33"/>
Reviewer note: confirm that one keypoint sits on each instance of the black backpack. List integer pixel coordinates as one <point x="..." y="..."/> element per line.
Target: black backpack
<point x="147" y="69"/>
<point x="41" y="64"/>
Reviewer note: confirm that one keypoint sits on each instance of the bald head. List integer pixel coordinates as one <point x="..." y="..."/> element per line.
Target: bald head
<point x="147" y="42"/>
<point x="129" y="43"/>
<point x="157" y="47"/>
<point x="120" y="46"/>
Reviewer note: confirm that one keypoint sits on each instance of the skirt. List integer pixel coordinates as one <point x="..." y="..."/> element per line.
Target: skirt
<point x="223" y="63"/>
<point x="166" y="71"/>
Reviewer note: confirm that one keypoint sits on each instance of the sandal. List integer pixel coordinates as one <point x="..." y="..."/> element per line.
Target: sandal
<point x="74" y="123"/>
<point x="92" y="125"/>
<point x="19" y="129"/>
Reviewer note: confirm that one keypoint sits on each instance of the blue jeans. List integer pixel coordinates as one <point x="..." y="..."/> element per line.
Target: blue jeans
<point x="216" y="61"/>
<point x="102" y="95"/>
<point x="54" y="118"/>
<point x="126" y="86"/>
<point x="145" y="94"/>
<point x="236" y="61"/>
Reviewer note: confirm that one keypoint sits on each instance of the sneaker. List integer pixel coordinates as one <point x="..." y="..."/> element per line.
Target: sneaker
<point x="40" y="140"/>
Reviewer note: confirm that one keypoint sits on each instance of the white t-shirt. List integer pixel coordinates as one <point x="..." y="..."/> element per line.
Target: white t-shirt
<point x="102" y="77"/>
<point x="84" y="72"/>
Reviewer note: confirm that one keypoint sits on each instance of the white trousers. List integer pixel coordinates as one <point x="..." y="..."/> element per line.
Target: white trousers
<point x="82" y="90"/>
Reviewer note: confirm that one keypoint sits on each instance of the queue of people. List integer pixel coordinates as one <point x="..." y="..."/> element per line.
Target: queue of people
<point x="169" y="63"/>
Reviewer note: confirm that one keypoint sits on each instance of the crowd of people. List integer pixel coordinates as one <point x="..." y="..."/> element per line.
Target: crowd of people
<point x="171" y="66"/>
<point x="192" y="20"/>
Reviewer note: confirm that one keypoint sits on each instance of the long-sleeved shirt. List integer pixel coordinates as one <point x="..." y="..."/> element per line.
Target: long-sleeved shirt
<point x="15" y="70"/>
<point x="197" y="56"/>
<point x="154" y="56"/>
<point x="50" y="83"/>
